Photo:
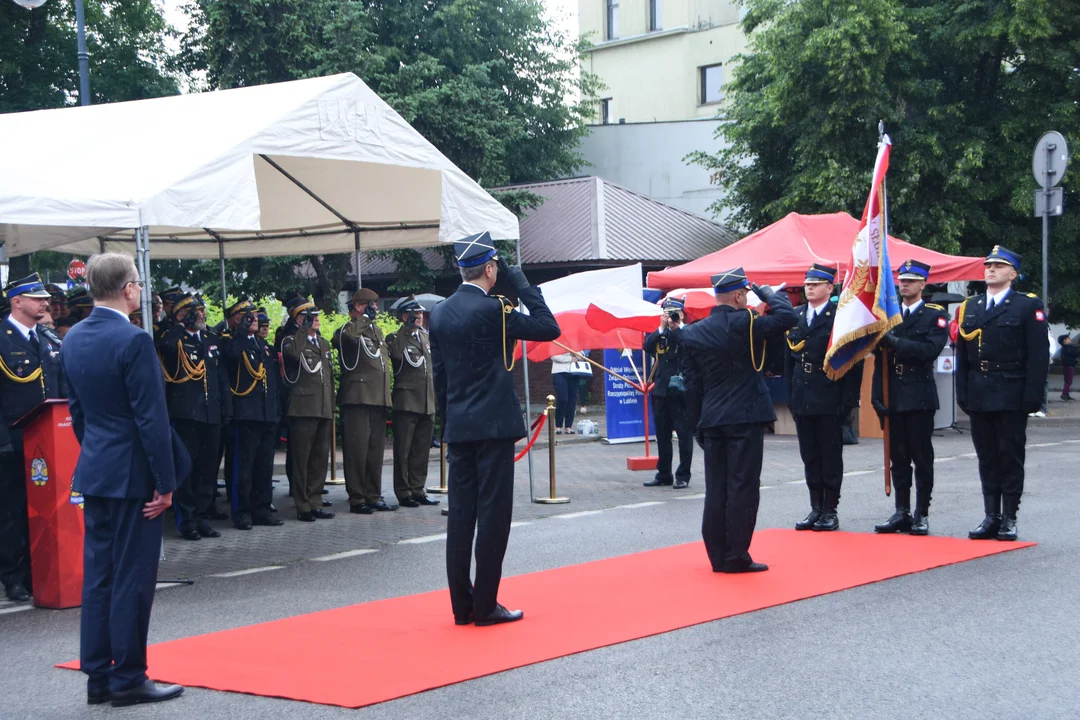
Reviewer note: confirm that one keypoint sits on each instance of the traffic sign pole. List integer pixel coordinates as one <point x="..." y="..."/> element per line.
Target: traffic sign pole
<point x="1048" y="165"/>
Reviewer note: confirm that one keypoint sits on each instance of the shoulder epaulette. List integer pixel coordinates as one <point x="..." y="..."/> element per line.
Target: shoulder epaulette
<point x="935" y="306"/>
<point x="1033" y="295"/>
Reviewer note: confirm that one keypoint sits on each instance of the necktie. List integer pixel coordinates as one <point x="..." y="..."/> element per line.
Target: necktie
<point x="991" y="305"/>
<point x="907" y="311"/>
<point x="34" y="341"/>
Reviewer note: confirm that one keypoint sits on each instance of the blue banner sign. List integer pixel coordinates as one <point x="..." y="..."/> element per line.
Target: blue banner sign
<point x="624" y="403"/>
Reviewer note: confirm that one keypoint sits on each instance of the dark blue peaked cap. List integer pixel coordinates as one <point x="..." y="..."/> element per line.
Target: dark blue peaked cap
<point x="913" y="270"/>
<point x="29" y="286"/>
<point x="729" y="280"/>
<point x="820" y="274"/>
<point x="1004" y="255"/>
<point x="474" y="250"/>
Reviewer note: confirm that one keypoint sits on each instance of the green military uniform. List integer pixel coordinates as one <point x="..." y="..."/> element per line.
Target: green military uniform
<point x="308" y="374"/>
<point x="414" y="407"/>
<point x="364" y="395"/>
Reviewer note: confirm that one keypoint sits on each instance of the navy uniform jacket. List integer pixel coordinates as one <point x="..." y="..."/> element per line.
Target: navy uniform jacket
<point x="474" y="392"/>
<point x="723" y="386"/>
<point x="919" y="340"/>
<point x="254" y="396"/>
<point x="810" y="391"/>
<point x="21" y="360"/>
<point x="118" y="411"/>
<point x="1002" y="356"/>
<point x="207" y="399"/>
<point x="665" y="346"/>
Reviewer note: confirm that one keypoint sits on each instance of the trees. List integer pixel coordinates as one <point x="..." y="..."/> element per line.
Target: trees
<point x="965" y="89"/>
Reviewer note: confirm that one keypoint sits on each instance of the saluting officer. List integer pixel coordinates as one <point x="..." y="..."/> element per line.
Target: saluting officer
<point x="729" y="405"/>
<point x="29" y="373"/>
<point x="669" y="406"/>
<point x="414" y="404"/>
<point x="472" y="350"/>
<point x="199" y="402"/>
<point x="310" y="378"/>
<point x="254" y="380"/>
<point x="364" y="396"/>
<point x="818" y="404"/>
<point x="913" y="398"/>
<point x="169" y="298"/>
<point x="79" y="303"/>
<point x="1002" y="358"/>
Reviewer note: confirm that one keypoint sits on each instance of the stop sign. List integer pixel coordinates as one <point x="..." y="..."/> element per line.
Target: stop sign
<point x="76" y="269"/>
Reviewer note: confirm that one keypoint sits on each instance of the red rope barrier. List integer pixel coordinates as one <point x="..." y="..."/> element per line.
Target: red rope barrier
<point x="539" y="425"/>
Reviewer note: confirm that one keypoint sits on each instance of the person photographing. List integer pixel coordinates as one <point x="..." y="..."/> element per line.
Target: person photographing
<point x="666" y="397"/>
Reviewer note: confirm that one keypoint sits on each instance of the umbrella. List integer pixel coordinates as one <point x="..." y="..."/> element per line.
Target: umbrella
<point x="429" y="300"/>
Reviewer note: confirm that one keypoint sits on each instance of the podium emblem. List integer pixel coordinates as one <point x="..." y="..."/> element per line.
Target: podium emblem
<point x="39" y="471"/>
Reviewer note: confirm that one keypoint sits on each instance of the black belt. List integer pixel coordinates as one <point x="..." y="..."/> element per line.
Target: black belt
<point x="809" y="367"/>
<point x="901" y="369"/>
<point x="987" y="366"/>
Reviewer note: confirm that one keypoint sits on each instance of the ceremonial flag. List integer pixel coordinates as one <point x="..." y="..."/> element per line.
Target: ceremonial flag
<point x="868" y="307"/>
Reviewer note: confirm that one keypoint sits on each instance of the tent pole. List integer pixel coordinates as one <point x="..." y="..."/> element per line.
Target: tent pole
<point x="221" y="262"/>
<point x="356" y="256"/>
<point x="142" y="245"/>
<point x="525" y="371"/>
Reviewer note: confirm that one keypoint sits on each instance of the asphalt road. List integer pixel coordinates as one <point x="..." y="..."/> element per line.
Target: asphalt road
<point x="996" y="637"/>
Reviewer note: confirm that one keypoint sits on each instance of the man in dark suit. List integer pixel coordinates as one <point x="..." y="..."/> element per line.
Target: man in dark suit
<point x="472" y="346"/>
<point x="127" y="476"/>
<point x="730" y="406"/>
<point x="1002" y="358"/>
<point x="913" y="348"/>
<point x="29" y="373"/>
<point x="668" y="405"/>
<point x="819" y="405"/>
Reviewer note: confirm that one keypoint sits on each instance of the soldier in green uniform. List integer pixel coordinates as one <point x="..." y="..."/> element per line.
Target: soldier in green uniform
<point x="307" y="357"/>
<point x="364" y="396"/>
<point x="414" y="404"/>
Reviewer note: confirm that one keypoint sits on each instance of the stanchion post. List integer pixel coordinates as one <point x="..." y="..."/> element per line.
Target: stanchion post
<point x="552" y="498"/>
<point x="333" y="447"/>
<point x="441" y="489"/>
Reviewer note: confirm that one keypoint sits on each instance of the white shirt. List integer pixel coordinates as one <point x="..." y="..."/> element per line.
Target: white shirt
<point x="997" y="298"/>
<point x="20" y="327"/>
<point x="812" y="312"/>
<point x="466" y="282"/>
<point x="909" y="309"/>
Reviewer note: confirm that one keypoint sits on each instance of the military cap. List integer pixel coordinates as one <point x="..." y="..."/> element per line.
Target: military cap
<point x="185" y="302"/>
<point x="300" y="305"/>
<point x="264" y="319"/>
<point x="56" y="291"/>
<point x="30" y="286"/>
<point x="365" y="295"/>
<point x="474" y="250"/>
<point x="1004" y="255"/>
<point x="820" y="274"/>
<point x="79" y="297"/>
<point x="136" y="313"/>
<point x="730" y="280"/>
<point x="408" y="304"/>
<point x="913" y="270"/>
<point x="241" y="305"/>
<point x="171" y="295"/>
<point x="673" y="303"/>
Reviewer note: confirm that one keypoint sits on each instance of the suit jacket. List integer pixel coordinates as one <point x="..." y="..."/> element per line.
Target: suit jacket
<point x="723" y="385"/>
<point x="475" y="393"/>
<point x="810" y="391"/>
<point x="206" y="400"/>
<point x="118" y="410"/>
<point x="414" y="380"/>
<point x="666" y="349"/>
<point x="254" y="399"/>
<point x="365" y="365"/>
<point x="1003" y="366"/>
<point x="21" y="359"/>
<point x="918" y="342"/>
<point x="308" y="375"/>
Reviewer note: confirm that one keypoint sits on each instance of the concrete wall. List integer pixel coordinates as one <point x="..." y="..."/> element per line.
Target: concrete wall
<point x="648" y="158"/>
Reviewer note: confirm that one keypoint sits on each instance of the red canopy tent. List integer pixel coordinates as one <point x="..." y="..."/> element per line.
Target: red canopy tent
<point x="784" y="250"/>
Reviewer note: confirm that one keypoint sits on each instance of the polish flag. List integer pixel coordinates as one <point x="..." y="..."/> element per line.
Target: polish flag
<point x="598" y="309"/>
<point x="699" y="302"/>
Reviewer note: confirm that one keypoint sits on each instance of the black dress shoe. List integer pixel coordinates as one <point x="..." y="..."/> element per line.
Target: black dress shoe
<point x="305" y="516"/>
<point x="273" y="507"/>
<point x="829" y="521"/>
<point x="361" y="509"/>
<point x="214" y="513"/>
<point x="919" y="524"/>
<point x="148" y="692"/>
<point x="381" y="506"/>
<point x="321" y="514"/>
<point x="899" y="522"/>
<point x="327" y="503"/>
<point x="242" y="522"/>
<point x="17" y="592"/>
<point x="681" y="484"/>
<point x="467" y="620"/>
<point x="98" y="696"/>
<point x="657" y="482"/>
<point x="206" y="531"/>
<point x="987" y="530"/>
<point x="750" y="567"/>
<point x="190" y="534"/>
<point x="808" y="522"/>
<point x="325" y="491"/>
<point x="425" y="500"/>
<point x="500" y="615"/>
<point x="1007" y="530"/>
<point x="409" y="502"/>
<point x="267" y="520"/>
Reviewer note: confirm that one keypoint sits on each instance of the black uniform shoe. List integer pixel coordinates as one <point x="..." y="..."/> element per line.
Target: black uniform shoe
<point x="206" y="531"/>
<point x="325" y="491"/>
<point x="657" y="482"/>
<point x="16" y="592"/>
<point x="381" y="506"/>
<point x="829" y="521"/>
<point x="98" y="696"/>
<point x="808" y="522"/>
<point x="899" y="522"/>
<point x="305" y="516"/>
<point x="267" y="520"/>
<point x="361" y="509"/>
<point x="750" y="567"/>
<point x="988" y="528"/>
<point x="242" y="522"/>
<point x="321" y="514"/>
<point x="190" y="533"/>
<point x="148" y="692"/>
<point x="500" y="615"/>
<point x="919" y="524"/>
<point x="1007" y="531"/>
<point x="214" y="513"/>
<point x="681" y="484"/>
<point x="467" y="620"/>
<point x="425" y="500"/>
<point x="327" y="503"/>
<point x="409" y="502"/>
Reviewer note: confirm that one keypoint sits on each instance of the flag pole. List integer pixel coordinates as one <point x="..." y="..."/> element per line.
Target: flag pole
<point x="885" y="351"/>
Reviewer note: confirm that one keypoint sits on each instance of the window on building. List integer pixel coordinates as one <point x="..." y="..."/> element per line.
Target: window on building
<point x="612" y="29"/>
<point x="654" y="16"/>
<point x="711" y="81"/>
<point x="605" y="111"/>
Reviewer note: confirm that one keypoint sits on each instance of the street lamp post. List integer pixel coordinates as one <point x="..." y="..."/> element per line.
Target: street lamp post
<point x="84" y="56"/>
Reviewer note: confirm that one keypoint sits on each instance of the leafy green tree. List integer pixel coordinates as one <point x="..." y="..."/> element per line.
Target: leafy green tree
<point x="965" y="90"/>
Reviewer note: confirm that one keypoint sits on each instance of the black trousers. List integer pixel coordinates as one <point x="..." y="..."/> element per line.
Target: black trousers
<point x="911" y="442"/>
<point x="250" y="473"/>
<point x="733" y="455"/>
<point x="14" y="526"/>
<point x="196" y="492"/>
<point x="670" y="414"/>
<point x="120" y="563"/>
<point x="412" y="450"/>
<point x="481" y="498"/>
<point x="999" y="439"/>
<point x="821" y="446"/>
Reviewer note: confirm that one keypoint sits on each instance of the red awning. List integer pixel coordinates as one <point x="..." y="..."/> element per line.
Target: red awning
<point x="784" y="250"/>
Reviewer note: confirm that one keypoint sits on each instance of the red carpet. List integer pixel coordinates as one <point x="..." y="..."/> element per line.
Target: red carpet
<point x="377" y="651"/>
